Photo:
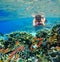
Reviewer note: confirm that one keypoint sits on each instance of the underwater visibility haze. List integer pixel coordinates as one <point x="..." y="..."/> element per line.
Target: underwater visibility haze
<point x="20" y="41"/>
<point x="16" y="15"/>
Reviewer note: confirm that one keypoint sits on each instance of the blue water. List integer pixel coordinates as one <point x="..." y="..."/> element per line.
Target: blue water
<point x="25" y="24"/>
<point x="14" y="14"/>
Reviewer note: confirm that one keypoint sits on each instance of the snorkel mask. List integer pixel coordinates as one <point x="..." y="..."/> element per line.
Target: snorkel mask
<point x="38" y="17"/>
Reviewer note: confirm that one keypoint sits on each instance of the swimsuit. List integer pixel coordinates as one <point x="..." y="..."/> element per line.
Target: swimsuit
<point x="39" y="23"/>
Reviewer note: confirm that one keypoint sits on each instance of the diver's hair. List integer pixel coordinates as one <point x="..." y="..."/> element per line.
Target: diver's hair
<point x="38" y="17"/>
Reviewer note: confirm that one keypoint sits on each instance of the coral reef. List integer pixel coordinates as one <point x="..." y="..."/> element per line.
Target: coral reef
<point x="24" y="47"/>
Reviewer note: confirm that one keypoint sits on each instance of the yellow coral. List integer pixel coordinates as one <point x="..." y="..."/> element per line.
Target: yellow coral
<point x="52" y="38"/>
<point x="1" y="61"/>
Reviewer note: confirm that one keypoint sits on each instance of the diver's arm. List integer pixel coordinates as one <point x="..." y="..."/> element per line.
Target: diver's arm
<point x="43" y="20"/>
<point x="34" y="22"/>
<point x="43" y="24"/>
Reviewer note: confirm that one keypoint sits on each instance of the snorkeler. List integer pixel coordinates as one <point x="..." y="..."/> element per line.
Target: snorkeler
<point x="39" y="20"/>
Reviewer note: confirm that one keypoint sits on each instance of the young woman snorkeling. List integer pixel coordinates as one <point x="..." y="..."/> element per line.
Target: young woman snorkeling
<point x="39" y="20"/>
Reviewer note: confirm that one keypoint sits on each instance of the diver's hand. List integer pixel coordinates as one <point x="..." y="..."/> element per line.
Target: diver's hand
<point x="43" y="24"/>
